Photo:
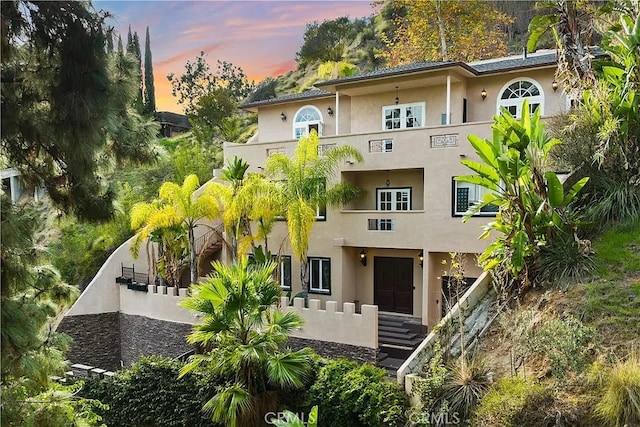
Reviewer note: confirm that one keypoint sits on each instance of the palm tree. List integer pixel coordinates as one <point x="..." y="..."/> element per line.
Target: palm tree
<point x="247" y="198"/>
<point x="175" y="206"/>
<point x="243" y="332"/>
<point x="302" y="181"/>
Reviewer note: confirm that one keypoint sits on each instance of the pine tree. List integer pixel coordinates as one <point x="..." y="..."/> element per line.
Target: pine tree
<point x="149" y="88"/>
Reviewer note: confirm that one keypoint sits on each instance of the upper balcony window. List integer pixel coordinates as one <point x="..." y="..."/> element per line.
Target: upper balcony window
<point x="403" y="116"/>
<point x="306" y="119"/>
<point x="393" y="199"/>
<point x="516" y="91"/>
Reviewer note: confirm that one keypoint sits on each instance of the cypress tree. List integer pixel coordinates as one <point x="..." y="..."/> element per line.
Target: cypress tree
<point x="120" y="47"/>
<point x="149" y="88"/>
<point x="134" y="51"/>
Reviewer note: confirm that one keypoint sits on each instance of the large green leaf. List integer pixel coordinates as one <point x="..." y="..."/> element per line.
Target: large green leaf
<point x="555" y="192"/>
<point x="575" y="189"/>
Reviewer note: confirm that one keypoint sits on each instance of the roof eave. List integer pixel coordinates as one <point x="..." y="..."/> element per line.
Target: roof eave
<point x="253" y="106"/>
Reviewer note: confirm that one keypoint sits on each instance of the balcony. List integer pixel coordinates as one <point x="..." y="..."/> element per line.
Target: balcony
<point x="373" y="228"/>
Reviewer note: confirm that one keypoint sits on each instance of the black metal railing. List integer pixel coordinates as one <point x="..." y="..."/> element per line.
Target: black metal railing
<point x="134" y="281"/>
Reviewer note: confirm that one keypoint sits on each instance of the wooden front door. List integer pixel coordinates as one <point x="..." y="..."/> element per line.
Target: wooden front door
<point x="393" y="284"/>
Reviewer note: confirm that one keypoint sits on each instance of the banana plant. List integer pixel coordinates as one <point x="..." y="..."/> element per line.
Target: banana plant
<point x="533" y="208"/>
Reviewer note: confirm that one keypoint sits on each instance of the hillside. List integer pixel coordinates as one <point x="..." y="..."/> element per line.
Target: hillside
<point x="608" y="307"/>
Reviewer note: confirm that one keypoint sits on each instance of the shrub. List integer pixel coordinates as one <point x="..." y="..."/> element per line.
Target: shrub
<point x="466" y="383"/>
<point x="565" y="261"/>
<point x="150" y="394"/>
<point x="503" y="404"/>
<point x="349" y="394"/>
<point x="563" y="341"/>
<point x="620" y="404"/>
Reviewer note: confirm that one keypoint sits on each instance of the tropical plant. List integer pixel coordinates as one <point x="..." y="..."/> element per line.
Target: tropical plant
<point x="177" y="205"/>
<point x="292" y="420"/>
<point x="303" y="182"/>
<point x="242" y="333"/>
<point x="246" y="199"/>
<point x="533" y="208"/>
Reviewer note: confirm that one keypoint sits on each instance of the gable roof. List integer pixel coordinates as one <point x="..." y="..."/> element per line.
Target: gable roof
<point x="309" y="94"/>
<point x="173" y="119"/>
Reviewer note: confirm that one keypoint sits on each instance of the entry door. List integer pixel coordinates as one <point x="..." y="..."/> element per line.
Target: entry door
<point x="393" y="284"/>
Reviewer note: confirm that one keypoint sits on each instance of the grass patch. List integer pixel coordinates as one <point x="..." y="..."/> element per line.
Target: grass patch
<point x="618" y="252"/>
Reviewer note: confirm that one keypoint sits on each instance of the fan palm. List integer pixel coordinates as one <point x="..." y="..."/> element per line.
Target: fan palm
<point x="302" y="181"/>
<point x="175" y="206"/>
<point x="243" y="333"/>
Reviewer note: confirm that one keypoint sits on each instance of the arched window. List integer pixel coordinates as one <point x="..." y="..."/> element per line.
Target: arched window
<point x="306" y="119"/>
<point x="516" y="91"/>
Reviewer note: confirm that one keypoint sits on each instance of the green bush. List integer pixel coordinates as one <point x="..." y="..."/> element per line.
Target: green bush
<point x="349" y="394"/>
<point x="503" y="405"/>
<point x="150" y="394"/>
<point x="565" y="261"/>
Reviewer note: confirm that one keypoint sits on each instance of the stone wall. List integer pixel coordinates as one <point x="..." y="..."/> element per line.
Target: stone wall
<point x="335" y="350"/>
<point x="144" y="336"/>
<point x="96" y="339"/>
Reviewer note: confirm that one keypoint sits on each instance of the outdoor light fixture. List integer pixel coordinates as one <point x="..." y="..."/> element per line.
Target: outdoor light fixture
<point x="330" y="111"/>
<point x="397" y="99"/>
<point x="421" y="258"/>
<point x="283" y="116"/>
<point x="483" y="94"/>
<point x="363" y="258"/>
<point x="554" y="85"/>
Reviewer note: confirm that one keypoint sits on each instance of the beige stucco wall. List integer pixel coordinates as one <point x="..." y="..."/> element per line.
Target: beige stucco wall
<point x="102" y="295"/>
<point x="336" y="323"/>
<point x="155" y="305"/>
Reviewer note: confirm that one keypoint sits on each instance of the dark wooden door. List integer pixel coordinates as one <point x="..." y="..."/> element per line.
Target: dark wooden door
<point x="393" y="284"/>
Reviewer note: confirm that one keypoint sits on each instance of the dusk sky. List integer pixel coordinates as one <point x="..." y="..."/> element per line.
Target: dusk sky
<point x="261" y="37"/>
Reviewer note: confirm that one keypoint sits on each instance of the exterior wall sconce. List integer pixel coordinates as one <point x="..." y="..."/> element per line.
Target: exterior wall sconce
<point x="283" y="116"/>
<point x="421" y="258"/>
<point x="483" y="94"/>
<point x="397" y="99"/>
<point x="363" y="258"/>
<point x="554" y="85"/>
<point x="330" y="111"/>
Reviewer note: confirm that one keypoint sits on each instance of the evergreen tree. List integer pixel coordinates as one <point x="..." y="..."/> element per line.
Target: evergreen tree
<point x="138" y="103"/>
<point x="120" y="47"/>
<point x="149" y="88"/>
<point x="64" y="103"/>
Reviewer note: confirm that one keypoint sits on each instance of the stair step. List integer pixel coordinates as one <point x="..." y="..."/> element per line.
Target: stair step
<point x="390" y="322"/>
<point x="394" y="329"/>
<point x="391" y="362"/>
<point x="410" y="343"/>
<point x="404" y="335"/>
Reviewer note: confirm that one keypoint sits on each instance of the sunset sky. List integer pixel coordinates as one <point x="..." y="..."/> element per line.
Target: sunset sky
<point x="261" y="37"/>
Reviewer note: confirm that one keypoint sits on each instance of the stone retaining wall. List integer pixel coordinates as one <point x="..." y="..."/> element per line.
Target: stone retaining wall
<point x="335" y="350"/>
<point x="96" y="339"/>
<point x="141" y="336"/>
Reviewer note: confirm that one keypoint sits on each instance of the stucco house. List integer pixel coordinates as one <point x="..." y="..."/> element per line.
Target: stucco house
<point x="380" y="258"/>
<point x="411" y="125"/>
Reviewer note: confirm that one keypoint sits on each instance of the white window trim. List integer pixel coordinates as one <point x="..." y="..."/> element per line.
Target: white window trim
<point x="517" y="102"/>
<point x="305" y="125"/>
<point x="403" y="115"/>
<point x="393" y="190"/>
<point x="474" y="199"/>
<point x="320" y="289"/>
<point x="282" y="276"/>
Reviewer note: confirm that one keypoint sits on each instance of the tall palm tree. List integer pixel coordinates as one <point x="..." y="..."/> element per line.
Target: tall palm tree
<point x="176" y="205"/>
<point x="303" y="183"/>
<point x="243" y="333"/>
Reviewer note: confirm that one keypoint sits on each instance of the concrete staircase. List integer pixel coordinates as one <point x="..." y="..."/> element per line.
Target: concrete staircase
<point x="398" y="337"/>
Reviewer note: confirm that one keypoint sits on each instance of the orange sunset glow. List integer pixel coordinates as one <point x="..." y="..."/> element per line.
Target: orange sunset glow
<point x="261" y="37"/>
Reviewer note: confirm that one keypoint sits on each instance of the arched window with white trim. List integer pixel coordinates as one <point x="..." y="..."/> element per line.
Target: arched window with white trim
<point x="516" y="91"/>
<point x="306" y="119"/>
